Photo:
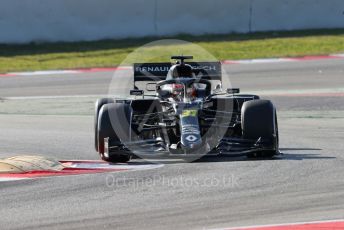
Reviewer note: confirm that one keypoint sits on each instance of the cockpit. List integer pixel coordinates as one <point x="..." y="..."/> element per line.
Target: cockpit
<point x="184" y="89"/>
<point x="181" y="83"/>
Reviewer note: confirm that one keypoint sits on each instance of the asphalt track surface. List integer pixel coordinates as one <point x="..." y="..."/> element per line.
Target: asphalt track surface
<point x="306" y="184"/>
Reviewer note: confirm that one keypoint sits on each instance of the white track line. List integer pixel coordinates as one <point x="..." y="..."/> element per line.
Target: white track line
<point x="6" y="179"/>
<point x="260" y="61"/>
<point x="48" y="72"/>
<point x="54" y="97"/>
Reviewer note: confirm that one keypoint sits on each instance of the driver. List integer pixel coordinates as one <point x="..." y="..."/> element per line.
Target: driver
<point x="177" y="91"/>
<point x="181" y="71"/>
<point x="192" y="92"/>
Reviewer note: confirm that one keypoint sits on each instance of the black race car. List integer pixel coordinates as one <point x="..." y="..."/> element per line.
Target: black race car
<point x="185" y="117"/>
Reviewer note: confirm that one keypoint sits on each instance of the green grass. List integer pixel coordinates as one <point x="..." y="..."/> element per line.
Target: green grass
<point x="109" y="53"/>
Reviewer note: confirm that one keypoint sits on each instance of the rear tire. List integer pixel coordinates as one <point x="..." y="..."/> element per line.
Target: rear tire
<point x="114" y="122"/>
<point x="259" y="119"/>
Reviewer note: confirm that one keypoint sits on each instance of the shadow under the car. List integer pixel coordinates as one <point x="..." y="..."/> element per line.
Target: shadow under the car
<point x="284" y="156"/>
<point x="299" y="149"/>
<point x="297" y="154"/>
<point x="302" y="156"/>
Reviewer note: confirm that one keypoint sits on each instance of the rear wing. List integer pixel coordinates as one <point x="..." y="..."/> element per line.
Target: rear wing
<point x="158" y="71"/>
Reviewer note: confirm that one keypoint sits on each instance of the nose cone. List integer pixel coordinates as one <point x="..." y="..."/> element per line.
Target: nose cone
<point x="191" y="140"/>
<point x="190" y="130"/>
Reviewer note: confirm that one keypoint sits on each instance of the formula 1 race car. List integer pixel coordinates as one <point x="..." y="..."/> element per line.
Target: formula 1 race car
<point x="187" y="116"/>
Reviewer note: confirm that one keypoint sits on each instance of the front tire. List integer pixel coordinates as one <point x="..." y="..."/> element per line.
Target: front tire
<point x="98" y="105"/>
<point x="114" y="122"/>
<point x="259" y="119"/>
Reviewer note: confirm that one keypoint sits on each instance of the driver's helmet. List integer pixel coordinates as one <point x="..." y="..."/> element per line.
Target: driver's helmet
<point x="180" y="71"/>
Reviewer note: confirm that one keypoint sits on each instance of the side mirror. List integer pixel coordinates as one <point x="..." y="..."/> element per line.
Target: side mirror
<point x="136" y="92"/>
<point x="233" y="90"/>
